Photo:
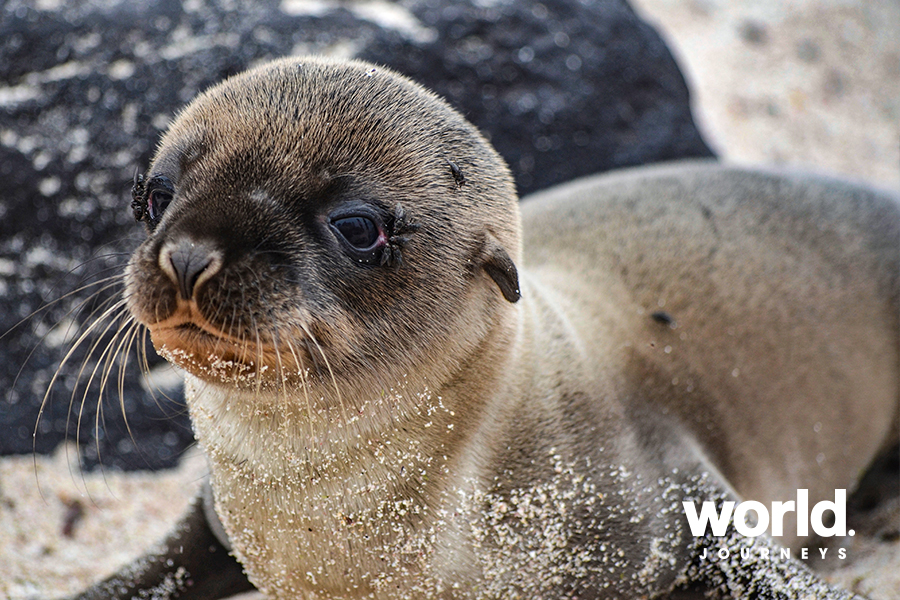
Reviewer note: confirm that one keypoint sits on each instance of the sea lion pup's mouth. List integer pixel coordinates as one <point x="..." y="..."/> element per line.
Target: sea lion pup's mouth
<point x="190" y="341"/>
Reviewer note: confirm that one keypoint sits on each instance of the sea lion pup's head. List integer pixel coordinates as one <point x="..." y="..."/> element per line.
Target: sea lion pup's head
<point x="312" y="220"/>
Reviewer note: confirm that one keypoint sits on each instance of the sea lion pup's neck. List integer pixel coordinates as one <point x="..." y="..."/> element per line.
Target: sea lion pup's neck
<point x="324" y="432"/>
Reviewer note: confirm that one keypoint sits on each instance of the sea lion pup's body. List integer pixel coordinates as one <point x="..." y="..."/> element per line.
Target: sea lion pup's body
<point x="684" y="333"/>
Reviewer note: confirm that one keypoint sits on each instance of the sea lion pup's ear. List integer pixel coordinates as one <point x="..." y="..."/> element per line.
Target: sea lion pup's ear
<point x="500" y="267"/>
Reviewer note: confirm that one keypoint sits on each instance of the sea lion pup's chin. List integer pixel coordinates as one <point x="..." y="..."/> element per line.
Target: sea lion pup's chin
<point x="324" y="225"/>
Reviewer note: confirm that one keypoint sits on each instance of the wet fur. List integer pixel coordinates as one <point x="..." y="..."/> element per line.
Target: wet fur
<point x="420" y="431"/>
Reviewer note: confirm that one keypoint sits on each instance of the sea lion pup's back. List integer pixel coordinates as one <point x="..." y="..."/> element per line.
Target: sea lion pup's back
<point x="762" y="306"/>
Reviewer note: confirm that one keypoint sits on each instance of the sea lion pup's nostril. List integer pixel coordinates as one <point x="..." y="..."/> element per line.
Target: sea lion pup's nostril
<point x="189" y="263"/>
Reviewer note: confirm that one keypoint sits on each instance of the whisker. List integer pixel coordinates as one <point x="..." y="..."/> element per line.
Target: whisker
<point x="111" y="316"/>
<point x="144" y="363"/>
<point x="330" y="372"/>
<point x="89" y="330"/>
<point x="48" y="305"/>
<point x="310" y="349"/>
<point x="281" y="372"/>
<point x="121" y="355"/>
<point x="259" y="357"/>
<point x="304" y="383"/>
<point x="105" y="361"/>
<point x="74" y="310"/>
<point x="106" y="284"/>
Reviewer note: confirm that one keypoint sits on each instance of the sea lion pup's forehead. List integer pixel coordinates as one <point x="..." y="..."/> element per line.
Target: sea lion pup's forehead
<point x="314" y="116"/>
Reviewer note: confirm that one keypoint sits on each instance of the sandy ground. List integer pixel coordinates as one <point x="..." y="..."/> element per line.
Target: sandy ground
<point x="112" y="516"/>
<point x="817" y="86"/>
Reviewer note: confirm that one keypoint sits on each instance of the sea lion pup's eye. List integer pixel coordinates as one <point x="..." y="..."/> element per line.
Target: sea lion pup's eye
<point x="372" y="235"/>
<point x="359" y="231"/>
<point x="151" y="198"/>
<point x="157" y="203"/>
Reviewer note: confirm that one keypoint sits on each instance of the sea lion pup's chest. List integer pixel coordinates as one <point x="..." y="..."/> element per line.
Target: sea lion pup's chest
<point x="342" y="511"/>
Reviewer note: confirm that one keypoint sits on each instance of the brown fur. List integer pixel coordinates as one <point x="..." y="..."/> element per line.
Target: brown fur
<point x="685" y="332"/>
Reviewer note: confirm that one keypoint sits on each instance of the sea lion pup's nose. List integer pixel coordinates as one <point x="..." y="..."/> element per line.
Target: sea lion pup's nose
<point x="189" y="263"/>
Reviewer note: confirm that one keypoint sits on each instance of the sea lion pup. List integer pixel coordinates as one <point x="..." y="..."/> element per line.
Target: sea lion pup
<point x="398" y="402"/>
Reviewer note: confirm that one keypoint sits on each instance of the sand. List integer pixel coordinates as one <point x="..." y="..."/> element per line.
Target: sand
<point x="816" y="86"/>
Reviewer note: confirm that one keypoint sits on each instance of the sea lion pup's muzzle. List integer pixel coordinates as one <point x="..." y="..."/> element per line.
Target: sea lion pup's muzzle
<point x="189" y="266"/>
<point x="350" y="224"/>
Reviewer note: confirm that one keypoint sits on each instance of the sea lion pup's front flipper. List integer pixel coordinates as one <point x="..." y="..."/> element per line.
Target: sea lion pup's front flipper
<point x="189" y="564"/>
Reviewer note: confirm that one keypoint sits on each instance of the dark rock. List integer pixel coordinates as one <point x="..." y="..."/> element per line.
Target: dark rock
<point x="562" y="88"/>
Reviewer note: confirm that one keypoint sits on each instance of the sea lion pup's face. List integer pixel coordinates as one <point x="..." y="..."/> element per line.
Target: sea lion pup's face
<point x="322" y="221"/>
